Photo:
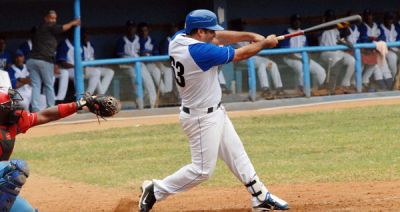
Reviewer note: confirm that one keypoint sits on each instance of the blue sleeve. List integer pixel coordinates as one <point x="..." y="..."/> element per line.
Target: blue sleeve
<point x="120" y="48"/>
<point x="207" y="55"/>
<point x="62" y="51"/>
<point x="11" y="74"/>
<point x="363" y="34"/>
<point x="155" y="48"/>
<point x="382" y="36"/>
<point x="9" y="57"/>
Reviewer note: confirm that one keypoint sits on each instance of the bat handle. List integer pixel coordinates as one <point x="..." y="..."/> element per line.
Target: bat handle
<point x="294" y="34"/>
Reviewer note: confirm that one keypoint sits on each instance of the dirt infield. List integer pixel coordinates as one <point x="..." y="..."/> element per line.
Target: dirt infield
<point x="52" y="194"/>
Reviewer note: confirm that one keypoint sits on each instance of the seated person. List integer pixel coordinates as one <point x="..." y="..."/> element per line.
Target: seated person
<point x="295" y="61"/>
<point x="162" y="75"/>
<point x="128" y="46"/>
<point x="20" y="79"/>
<point x="99" y="77"/>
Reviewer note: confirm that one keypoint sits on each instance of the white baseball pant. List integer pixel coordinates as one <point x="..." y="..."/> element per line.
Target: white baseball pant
<point x="391" y="59"/>
<point x="210" y="136"/>
<point x="148" y="83"/>
<point x="263" y="64"/>
<point x="346" y="60"/>
<point x="380" y="73"/>
<point x="63" y="78"/>
<point x="99" y="79"/>
<point x="315" y="69"/>
<point x="162" y="76"/>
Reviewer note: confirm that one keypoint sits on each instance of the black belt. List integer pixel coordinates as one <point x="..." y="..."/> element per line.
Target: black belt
<point x="209" y="110"/>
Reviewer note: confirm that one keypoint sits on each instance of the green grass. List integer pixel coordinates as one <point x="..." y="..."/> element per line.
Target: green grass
<point x="347" y="145"/>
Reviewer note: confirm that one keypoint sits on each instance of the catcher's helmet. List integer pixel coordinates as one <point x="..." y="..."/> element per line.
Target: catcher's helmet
<point x="9" y="104"/>
<point x="201" y="19"/>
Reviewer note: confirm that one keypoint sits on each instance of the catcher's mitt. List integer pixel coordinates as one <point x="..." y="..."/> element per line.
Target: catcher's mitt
<point x="103" y="106"/>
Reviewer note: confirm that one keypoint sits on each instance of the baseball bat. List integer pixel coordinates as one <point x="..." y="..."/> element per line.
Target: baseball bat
<point x="338" y="23"/>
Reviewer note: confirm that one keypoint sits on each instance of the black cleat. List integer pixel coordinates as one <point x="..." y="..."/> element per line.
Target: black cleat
<point x="147" y="199"/>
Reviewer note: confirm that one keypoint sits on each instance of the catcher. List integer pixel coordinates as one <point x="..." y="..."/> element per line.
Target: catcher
<point x="14" y="120"/>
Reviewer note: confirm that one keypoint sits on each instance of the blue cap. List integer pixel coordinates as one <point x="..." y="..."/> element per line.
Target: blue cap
<point x="201" y="19"/>
<point x="19" y="53"/>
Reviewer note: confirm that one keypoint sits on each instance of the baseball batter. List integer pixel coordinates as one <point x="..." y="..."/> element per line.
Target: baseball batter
<point x="195" y="56"/>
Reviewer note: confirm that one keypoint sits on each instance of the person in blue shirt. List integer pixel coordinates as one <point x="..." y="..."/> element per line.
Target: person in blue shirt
<point x="5" y="55"/>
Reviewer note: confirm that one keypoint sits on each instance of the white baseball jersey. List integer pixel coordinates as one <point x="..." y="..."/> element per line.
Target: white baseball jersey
<point x="25" y="90"/>
<point x="329" y="37"/>
<point x="88" y="51"/>
<point x="298" y="41"/>
<point x="390" y="35"/>
<point x="354" y="35"/>
<point x="131" y="47"/>
<point x="196" y="72"/>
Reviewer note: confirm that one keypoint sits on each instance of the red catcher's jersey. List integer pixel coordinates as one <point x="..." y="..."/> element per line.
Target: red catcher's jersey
<point x="8" y="133"/>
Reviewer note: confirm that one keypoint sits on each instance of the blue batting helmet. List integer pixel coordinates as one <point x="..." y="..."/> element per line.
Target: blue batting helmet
<point x="201" y="19"/>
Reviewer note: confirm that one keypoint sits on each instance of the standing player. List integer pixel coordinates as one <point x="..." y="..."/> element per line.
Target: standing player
<point x="14" y="120"/>
<point x="195" y="56"/>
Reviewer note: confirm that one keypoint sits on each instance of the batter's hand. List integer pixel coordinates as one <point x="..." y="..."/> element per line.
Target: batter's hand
<point x="271" y="41"/>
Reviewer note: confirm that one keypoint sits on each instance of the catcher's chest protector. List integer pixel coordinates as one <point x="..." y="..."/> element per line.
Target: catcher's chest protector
<point x="7" y="141"/>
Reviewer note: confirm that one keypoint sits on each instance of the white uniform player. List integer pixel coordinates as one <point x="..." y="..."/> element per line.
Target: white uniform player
<point x="264" y="66"/>
<point x="65" y="55"/>
<point x="128" y="46"/>
<point x="204" y="120"/>
<point x="26" y="89"/>
<point x="369" y="32"/>
<point x="99" y="77"/>
<point x="389" y="34"/>
<point x="162" y="75"/>
<point x="295" y="60"/>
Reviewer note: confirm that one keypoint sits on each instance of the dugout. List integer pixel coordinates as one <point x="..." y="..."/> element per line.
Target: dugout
<point x="105" y="19"/>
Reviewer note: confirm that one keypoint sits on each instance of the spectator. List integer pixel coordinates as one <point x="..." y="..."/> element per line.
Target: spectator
<point x="335" y="58"/>
<point x="20" y="79"/>
<point x="389" y="34"/>
<point x="99" y="77"/>
<point x="128" y="46"/>
<point x="41" y="62"/>
<point x="294" y="61"/>
<point x="5" y="55"/>
<point x="161" y="74"/>
<point x="26" y="47"/>
<point x="369" y="32"/>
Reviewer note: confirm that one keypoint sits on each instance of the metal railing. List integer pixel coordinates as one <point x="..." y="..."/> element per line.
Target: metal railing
<point x="306" y="69"/>
<point x="251" y="67"/>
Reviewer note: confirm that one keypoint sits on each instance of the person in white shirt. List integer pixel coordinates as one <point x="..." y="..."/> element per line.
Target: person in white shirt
<point x="20" y="79"/>
<point x="99" y="77"/>
<point x="295" y="62"/>
<point x="128" y="46"/>
<point x="335" y="58"/>
<point x="389" y="34"/>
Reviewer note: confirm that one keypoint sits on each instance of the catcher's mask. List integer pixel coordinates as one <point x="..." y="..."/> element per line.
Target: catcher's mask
<point x="9" y="104"/>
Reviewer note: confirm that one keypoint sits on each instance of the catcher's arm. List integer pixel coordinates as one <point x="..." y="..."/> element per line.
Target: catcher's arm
<point x="103" y="106"/>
